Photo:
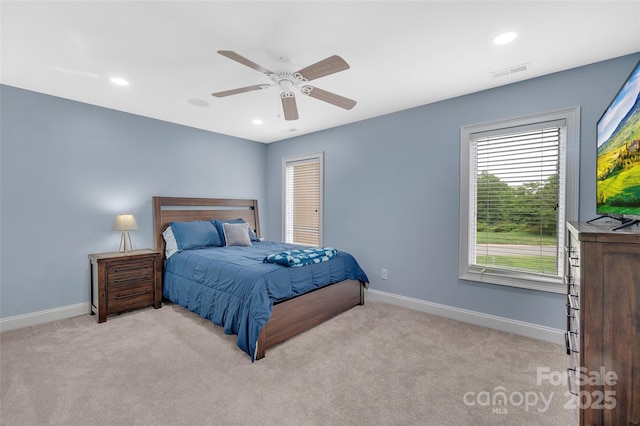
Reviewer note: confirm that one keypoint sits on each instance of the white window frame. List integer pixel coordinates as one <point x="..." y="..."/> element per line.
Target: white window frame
<point x="316" y="156"/>
<point x="569" y="156"/>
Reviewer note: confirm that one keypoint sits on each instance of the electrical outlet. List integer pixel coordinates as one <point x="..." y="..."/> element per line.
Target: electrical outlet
<point x="383" y="274"/>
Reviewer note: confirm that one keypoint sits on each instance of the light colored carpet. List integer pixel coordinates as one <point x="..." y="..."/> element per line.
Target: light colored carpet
<point x="376" y="364"/>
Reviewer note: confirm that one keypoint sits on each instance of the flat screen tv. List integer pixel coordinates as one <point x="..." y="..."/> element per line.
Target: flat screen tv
<point x="618" y="155"/>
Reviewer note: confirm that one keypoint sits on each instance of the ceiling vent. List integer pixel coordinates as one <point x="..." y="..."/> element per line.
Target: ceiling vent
<point x="511" y="70"/>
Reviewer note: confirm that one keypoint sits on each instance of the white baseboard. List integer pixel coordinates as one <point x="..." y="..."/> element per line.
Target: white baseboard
<point x="534" y="331"/>
<point x="40" y="317"/>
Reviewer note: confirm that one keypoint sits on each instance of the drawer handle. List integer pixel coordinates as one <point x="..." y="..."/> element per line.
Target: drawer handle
<point x="129" y="269"/>
<point x="571" y="380"/>
<point x="146" y="276"/>
<point x="573" y="321"/>
<point x="573" y="290"/>
<point x="572" y="326"/>
<point x="569" y="342"/>
<point x="126" y="296"/>
<point x="574" y="302"/>
<point x="569" y="311"/>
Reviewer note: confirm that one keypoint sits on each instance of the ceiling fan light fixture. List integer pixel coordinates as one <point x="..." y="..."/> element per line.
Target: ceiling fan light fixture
<point x="285" y="85"/>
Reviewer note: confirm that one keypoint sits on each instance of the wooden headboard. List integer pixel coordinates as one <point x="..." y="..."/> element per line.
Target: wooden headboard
<point x="177" y="209"/>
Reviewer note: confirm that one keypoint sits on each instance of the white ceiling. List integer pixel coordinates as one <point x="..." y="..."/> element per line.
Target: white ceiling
<point x="402" y="53"/>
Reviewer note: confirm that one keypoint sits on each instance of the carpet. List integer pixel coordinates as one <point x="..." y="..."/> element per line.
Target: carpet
<point x="376" y="364"/>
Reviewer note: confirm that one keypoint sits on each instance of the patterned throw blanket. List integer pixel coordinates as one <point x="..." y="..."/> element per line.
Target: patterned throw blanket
<point x="302" y="257"/>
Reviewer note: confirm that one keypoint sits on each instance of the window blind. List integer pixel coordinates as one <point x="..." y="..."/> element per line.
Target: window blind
<point x="516" y="189"/>
<point x="303" y="202"/>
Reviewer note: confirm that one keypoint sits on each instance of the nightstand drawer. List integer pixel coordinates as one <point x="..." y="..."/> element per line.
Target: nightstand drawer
<point x="126" y="273"/>
<point x="130" y="297"/>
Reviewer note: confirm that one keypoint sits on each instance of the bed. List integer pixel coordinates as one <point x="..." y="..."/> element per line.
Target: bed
<point x="264" y="304"/>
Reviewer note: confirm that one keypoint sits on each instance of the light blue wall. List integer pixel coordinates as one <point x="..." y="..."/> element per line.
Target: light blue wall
<point x="391" y="188"/>
<point x="68" y="168"/>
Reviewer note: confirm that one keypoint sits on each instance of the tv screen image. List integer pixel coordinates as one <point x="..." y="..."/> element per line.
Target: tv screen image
<point x="618" y="155"/>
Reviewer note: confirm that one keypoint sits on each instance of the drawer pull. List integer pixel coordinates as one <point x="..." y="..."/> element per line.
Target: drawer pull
<point x="127" y="296"/>
<point x="573" y="327"/>
<point x="569" y="342"/>
<point x="574" y="302"/>
<point x="573" y="290"/>
<point x="571" y="379"/>
<point x="130" y="268"/>
<point x="146" y="276"/>
<point x="568" y="311"/>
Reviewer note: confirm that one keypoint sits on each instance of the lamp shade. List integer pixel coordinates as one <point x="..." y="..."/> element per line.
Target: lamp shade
<point x="125" y="222"/>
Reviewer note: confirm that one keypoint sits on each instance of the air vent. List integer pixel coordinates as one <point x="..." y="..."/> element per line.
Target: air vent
<point x="510" y="70"/>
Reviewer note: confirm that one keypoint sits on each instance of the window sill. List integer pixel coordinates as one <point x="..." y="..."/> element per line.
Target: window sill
<point x="547" y="284"/>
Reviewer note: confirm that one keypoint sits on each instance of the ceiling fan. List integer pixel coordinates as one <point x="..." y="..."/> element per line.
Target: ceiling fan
<point x="287" y="81"/>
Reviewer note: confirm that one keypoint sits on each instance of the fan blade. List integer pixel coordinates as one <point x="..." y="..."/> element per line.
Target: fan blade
<point x="289" y="106"/>
<point x="244" y="61"/>
<point x="332" y="98"/>
<point x="240" y="90"/>
<point x="331" y="65"/>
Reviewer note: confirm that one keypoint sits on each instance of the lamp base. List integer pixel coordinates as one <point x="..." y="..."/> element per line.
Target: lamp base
<point x="125" y="242"/>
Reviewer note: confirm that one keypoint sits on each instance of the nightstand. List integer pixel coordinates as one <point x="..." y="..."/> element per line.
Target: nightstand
<point x="124" y="281"/>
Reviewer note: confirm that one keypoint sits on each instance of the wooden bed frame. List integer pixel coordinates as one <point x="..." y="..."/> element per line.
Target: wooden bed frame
<point x="288" y="318"/>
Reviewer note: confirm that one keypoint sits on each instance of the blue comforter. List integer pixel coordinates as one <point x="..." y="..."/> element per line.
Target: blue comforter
<point x="232" y="287"/>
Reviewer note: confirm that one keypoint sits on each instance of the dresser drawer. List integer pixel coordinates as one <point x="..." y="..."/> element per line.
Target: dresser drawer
<point x="130" y="297"/>
<point x="127" y="273"/>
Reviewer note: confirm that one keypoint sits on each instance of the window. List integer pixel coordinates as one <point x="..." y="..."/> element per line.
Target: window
<point x="303" y="199"/>
<point x="518" y="187"/>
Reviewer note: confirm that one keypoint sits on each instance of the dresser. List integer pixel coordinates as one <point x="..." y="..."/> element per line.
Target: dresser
<point x="125" y="281"/>
<point x="603" y="322"/>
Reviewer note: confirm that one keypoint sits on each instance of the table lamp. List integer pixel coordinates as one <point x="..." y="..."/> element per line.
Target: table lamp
<point x="125" y="223"/>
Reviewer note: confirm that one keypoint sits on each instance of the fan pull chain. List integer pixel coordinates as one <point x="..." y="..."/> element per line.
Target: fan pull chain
<point x="278" y="104"/>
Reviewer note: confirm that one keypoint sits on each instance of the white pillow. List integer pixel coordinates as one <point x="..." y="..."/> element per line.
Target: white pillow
<point x="236" y="234"/>
<point x="170" y="244"/>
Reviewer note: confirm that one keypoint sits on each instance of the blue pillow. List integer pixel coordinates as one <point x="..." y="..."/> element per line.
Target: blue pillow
<point x="218" y="224"/>
<point x="198" y="233"/>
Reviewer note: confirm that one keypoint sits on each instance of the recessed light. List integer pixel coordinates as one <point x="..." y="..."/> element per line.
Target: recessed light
<point x="505" y="38"/>
<point x="119" y="81"/>
<point x="257" y="122"/>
